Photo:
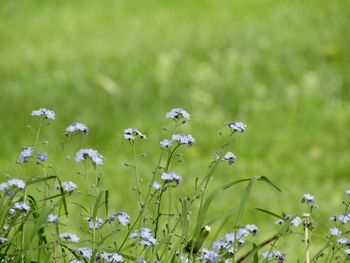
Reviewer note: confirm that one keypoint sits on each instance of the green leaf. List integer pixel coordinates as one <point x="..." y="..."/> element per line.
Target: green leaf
<point x="269" y="212"/>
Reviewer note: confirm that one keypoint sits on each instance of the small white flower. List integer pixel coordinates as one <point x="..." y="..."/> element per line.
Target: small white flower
<point x="171" y="177"/>
<point x="274" y="254"/>
<point x="22" y="206"/>
<point x="253" y="229"/>
<point x="95" y="224"/>
<point x="48" y="114"/>
<point x="208" y="256"/>
<point x="237" y="126"/>
<point x="4" y="186"/>
<point x="52" y="218"/>
<point x="347" y="251"/>
<point x="25" y="154"/>
<point x="77" y="127"/>
<point x="308" y="198"/>
<point x="166" y="143"/>
<point x="70" y="237"/>
<point x="17" y="182"/>
<point x="335" y="232"/>
<point x="69" y="186"/>
<point x="157" y="185"/>
<point x="344" y="241"/>
<point x="347" y="191"/>
<point x="296" y="221"/>
<point x="123" y="217"/>
<point x="42" y="157"/>
<point x="177" y="113"/>
<point x="132" y="133"/>
<point x="230" y="157"/>
<point x="145" y="235"/>
<point x="93" y="155"/>
<point x="84" y="252"/>
<point x="183" y="139"/>
<point x="3" y="240"/>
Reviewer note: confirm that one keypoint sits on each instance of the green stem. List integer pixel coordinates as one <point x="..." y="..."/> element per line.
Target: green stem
<point x="137" y="173"/>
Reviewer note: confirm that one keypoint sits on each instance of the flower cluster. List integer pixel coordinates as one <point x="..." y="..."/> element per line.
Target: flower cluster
<point x="69" y="186"/>
<point x="296" y="221"/>
<point x="52" y="218"/>
<point x="22" y="206"/>
<point x="48" y="114"/>
<point x="25" y="154"/>
<point x="171" y="177"/>
<point x="42" y="157"/>
<point x="309" y="200"/>
<point x="93" y="155"/>
<point x="146" y="237"/>
<point x="230" y="158"/>
<point x="70" y="237"/>
<point x="13" y="183"/>
<point x="122" y="217"/>
<point x="95" y="224"/>
<point x="236" y="126"/>
<point x="177" y="113"/>
<point x="183" y="139"/>
<point x="131" y="134"/>
<point x="277" y="255"/>
<point x="77" y="127"/>
<point x="86" y="254"/>
<point x="230" y="244"/>
<point x="341" y="218"/>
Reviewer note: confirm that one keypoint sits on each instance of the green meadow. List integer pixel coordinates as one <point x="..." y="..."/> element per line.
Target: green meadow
<point x="281" y="67"/>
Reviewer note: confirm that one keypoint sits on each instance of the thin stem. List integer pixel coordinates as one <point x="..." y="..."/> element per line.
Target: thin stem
<point x="143" y="207"/>
<point x="137" y="173"/>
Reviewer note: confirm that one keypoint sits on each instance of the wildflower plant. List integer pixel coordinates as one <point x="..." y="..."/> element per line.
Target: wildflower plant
<point x="33" y="223"/>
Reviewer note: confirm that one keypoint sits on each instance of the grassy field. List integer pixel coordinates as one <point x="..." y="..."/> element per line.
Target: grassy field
<point x="282" y="67"/>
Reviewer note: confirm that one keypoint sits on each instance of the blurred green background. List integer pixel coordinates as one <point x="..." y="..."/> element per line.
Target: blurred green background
<point x="282" y="67"/>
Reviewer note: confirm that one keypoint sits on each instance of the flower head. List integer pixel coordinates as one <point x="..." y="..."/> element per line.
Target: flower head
<point x="183" y="139"/>
<point x="70" y="237"/>
<point x="347" y="191"/>
<point x="236" y="126"/>
<point x="252" y="229"/>
<point x="95" y="224"/>
<point x="344" y="241"/>
<point x="296" y="221"/>
<point x="25" y="154"/>
<point x="274" y="255"/>
<point x="335" y="232"/>
<point x="123" y="217"/>
<point x="77" y="127"/>
<point x="22" y="206"/>
<point x="171" y="177"/>
<point x="69" y="186"/>
<point x="42" y="157"/>
<point x="177" y="113"/>
<point x="84" y="252"/>
<point x="208" y="256"/>
<point x="48" y="114"/>
<point x="145" y="235"/>
<point x="93" y="155"/>
<point x="52" y="218"/>
<point x="309" y="200"/>
<point x="230" y="158"/>
<point x="109" y="257"/>
<point x="17" y="183"/>
<point x="131" y="134"/>
<point x="166" y="143"/>
<point x="157" y="185"/>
